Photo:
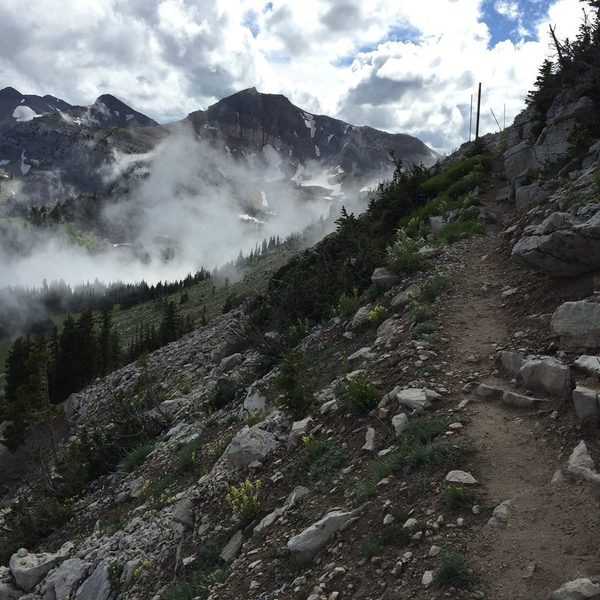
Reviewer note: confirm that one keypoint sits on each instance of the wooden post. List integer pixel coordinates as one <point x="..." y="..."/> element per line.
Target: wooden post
<point x="471" y="118"/>
<point x="478" y="112"/>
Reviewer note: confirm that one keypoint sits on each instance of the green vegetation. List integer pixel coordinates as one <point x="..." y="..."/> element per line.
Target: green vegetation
<point x="244" y="500"/>
<point x="348" y="304"/>
<point x="403" y="254"/>
<point x="452" y="571"/>
<point x="223" y="394"/>
<point x="434" y="286"/>
<point x="462" y="174"/>
<point x="456" y="497"/>
<point x="390" y="535"/>
<point x="419" y="450"/>
<point x="295" y="385"/>
<point x="189" y="456"/>
<point x="362" y="396"/>
<point x="378" y="314"/>
<point x="320" y="460"/>
<point x="458" y="230"/>
<point x="136" y="457"/>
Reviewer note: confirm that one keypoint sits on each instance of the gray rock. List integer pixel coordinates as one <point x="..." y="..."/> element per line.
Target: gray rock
<point x="586" y="402"/>
<point x="577" y="324"/>
<point x="304" y="546"/>
<point x="183" y="513"/>
<point x="9" y="592"/>
<point x="578" y="589"/>
<point x="461" y="477"/>
<point x="360" y="356"/>
<point x="417" y="399"/>
<point x="503" y="194"/>
<point x="369" y="444"/>
<point x="500" y="515"/>
<point x="29" y="569"/>
<point x="510" y="362"/>
<point x="360" y="319"/>
<point x="589" y="364"/>
<point x="519" y="401"/>
<point x="169" y="408"/>
<point x="581" y="464"/>
<point x="560" y="247"/>
<point x="547" y="374"/>
<point x="384" y="278"/>
<point x="404" y="297"/>
<point x="250" y="444"/>
<point x="299" y="429"/>
<point x="528" y="196"/>
<point x="488" y="392"/>
<point x="232" y="548"/>
<point x="388" y="332"/>
<point x="399" y="423"/>
<point x="230" y="362"/>
<point x="97" y="585"/>
<point x="62" y="582"/>
<point x="254" y="403"/>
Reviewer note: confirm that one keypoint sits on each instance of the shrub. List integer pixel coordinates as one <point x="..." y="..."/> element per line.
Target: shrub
<point x="443" y="180"/>
<point x="244" y="500"/>
<point x="458" y="230"/>
<point x="374" y="291"/>
<point x="434" y="287"/>
<point x="136" y="457"/>
<point x="320" y="459"/>
<point x="419" y="313"/>
<point x="452" y="571"/>
<point x="378" y="314"/>
<point x="222" y="395"/>
<point x="295" y="385"/>
<point x="403" y="255"/>
<point x="456" y="497"/>
<point x="390" y="535"/>
<point x="189" y="456"/>
<point x="348" y="304"/>
<point x="363" y="396"/>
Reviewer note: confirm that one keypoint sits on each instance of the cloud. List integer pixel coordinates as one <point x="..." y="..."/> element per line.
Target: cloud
<point x="169" y="57"/>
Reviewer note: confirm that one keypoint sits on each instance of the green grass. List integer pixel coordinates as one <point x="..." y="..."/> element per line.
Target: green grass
<point x="419" y="450"/>
<point x="456" y="497"/>
<point x="389" y="535"/>
<point x="434" y="287"/>
<point x="189" y="456"/>
<point x="136" y="457"/>
<point x="461" y="168"/>
<point x="452" y="571"/>
<point x="458" y="230"/>
<point x="321" y="460"/>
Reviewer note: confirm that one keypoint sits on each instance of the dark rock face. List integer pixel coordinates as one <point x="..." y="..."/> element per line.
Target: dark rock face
<point x="252" y="121"/>
<point x="16" y="107"/>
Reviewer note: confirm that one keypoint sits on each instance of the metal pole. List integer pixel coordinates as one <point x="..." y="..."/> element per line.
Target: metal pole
<point x="494" y="115"/>
<point x="478" y="112"/>
<point x="471" y="118"/>
<point x="504" y="121"/>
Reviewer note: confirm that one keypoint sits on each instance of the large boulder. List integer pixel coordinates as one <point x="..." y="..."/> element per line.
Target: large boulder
<point x="561" y="246"/>
<point x="589" y="365"/>
<point x="64" y="580"/>
<point x="29" y="569"/>
<point x="581" y="464"/>
<point x="97" y="585"/>
<point x="528" y="196"/>
<point x="547" y="374"/>
<point x="578" y="589"/>
<point x="306" y="544"/>
<point x="384" y="278"/>
<point x="577" y="324"/>
<point x="249" y="445"/>
<point x="9" y="591"/>
<point x="586" y="402"/>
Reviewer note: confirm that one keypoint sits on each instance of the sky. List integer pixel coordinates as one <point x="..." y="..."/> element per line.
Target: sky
<point x="406" y="66"/>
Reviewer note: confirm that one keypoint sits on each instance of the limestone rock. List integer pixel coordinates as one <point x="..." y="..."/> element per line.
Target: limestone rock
<point x="501" y="514"/>
<point x="97" y="585"/>
<point x="586" y="402"/>
<point x="384" y="278"/>
<point x="299" y="429"/>
<point x="519" y="401"/>
<point x="589" y="365"/>
<point x="63" y="581"/>
<point x="581" y="464"/>
<point x="528" y="196"/>
<point x="250" y="444"/>
<point x="29" y="569"/>
<point x="254" y="403"/>
<point x="360" y="319"/>
<point x="360" y="356"/>
<point x="547" y="374"/>
<point x="417" y="399"/>
<point x="510" y="362"/>
<point x="230" y="362"/>
<point x="561" y="247"/>
<point x="304" y="546"/>
<point x="403" y="298"/>
<point x="579" y="589"/>
<point x="369" y="444"/>
<point x="577" y="324"/>
<point x="461" y="477"/>
<point x="183" y="513"/>
<point x="9" y="592"/>
<point x="487" y="392"/>
<point x="399" y="423"/>
<point x="232" y="548"/>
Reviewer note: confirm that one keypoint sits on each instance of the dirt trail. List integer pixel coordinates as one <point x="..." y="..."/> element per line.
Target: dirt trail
<point x="554" y="529"/>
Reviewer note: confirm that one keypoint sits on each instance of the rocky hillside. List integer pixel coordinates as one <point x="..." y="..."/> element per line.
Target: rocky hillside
<point x="437" y="437"/>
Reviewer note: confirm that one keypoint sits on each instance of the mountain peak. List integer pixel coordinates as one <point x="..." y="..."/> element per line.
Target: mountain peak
<point x="10" y="92"/>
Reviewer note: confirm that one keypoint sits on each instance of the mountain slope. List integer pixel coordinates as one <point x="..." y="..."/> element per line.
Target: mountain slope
<point x="17" y="107"/>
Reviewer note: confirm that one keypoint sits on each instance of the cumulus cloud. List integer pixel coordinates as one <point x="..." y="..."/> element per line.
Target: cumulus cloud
<point x="410" y="66"/>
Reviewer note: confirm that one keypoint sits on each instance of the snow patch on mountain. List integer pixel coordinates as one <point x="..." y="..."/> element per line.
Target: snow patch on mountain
<point x="309" y="121"/>
<point x="24" y="166"/>
<point x="24" y="113"/>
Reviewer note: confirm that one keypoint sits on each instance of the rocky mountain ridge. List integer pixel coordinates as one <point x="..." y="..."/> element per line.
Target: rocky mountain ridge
<point x="449" y="447"/>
